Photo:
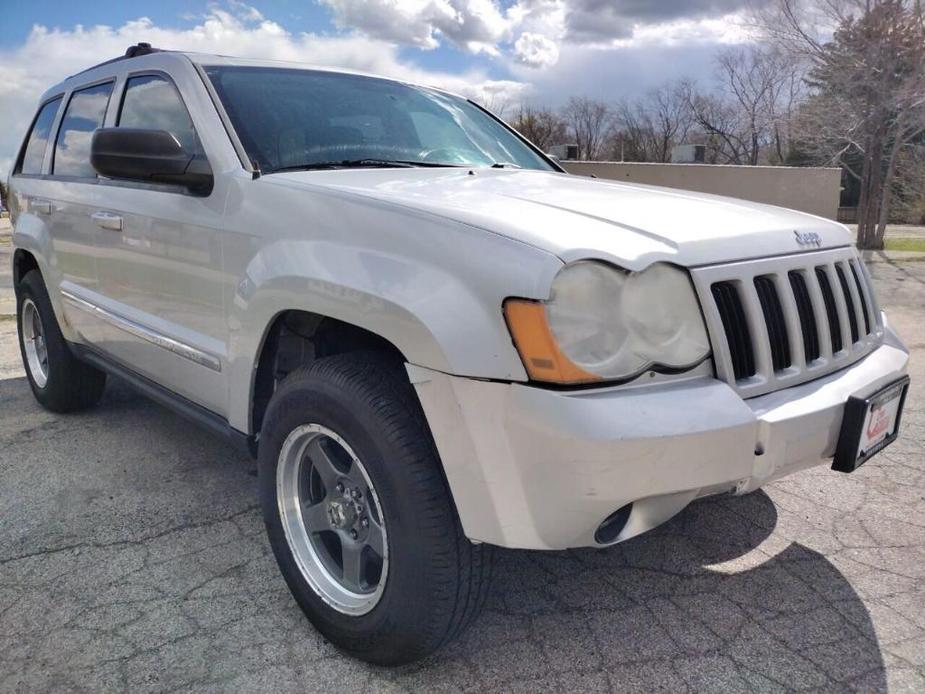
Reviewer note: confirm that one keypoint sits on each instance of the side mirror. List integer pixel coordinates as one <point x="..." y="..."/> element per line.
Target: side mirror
<point x="154" y="156"/>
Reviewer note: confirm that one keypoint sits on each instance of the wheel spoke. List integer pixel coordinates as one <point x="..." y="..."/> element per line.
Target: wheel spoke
<point x="375" y="540"/>
<point x="353" y="564"/>
<point x="315" y="517"/>
<point x="323" y="463"/>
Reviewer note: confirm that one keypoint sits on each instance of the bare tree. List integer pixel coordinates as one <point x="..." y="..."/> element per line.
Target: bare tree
<point x="542" y="126"/>
<point x="589" y="123"/>
<point x="748" y="118"/>
<point x="869" y="89"/>
<point x="785" y="94"/>
<point x="649" y="128"/>
<point x="721" y="124"/>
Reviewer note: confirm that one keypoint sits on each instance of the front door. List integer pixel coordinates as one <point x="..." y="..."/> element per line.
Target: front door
<point x="160" y="262"/>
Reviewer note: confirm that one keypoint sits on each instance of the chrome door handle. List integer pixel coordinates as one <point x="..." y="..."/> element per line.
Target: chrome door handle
<point x="107" y="220"/>
<point x="41" y="206"/>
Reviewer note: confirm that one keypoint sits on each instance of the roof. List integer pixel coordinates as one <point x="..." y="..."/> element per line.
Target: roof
<point x="143" y="49"/>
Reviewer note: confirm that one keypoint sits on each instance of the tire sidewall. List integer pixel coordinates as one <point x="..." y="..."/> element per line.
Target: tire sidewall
<point x="31" y="287"/>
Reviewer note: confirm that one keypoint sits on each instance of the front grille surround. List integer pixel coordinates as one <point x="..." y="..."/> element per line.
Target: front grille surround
<point x="805" y="315"/>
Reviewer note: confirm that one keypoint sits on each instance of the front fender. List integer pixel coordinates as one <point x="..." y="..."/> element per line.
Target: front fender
<point x="438" y="301"/>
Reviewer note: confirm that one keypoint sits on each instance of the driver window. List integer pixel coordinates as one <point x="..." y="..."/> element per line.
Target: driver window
<point x="151" y="102"/>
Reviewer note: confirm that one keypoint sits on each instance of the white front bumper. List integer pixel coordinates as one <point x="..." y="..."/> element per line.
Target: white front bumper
<point x="540" y="469"/>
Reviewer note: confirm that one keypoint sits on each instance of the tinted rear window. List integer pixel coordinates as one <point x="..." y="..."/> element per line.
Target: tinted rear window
<point x="84" y="114"/>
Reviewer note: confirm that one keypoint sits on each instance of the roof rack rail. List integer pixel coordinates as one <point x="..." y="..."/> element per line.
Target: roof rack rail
<point x="139" y="49"/>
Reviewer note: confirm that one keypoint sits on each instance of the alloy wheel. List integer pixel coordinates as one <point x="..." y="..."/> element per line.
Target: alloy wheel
<point x="332" y="519"/>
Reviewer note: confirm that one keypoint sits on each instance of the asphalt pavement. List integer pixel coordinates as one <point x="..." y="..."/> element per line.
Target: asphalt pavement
<point x="133" y="557"/>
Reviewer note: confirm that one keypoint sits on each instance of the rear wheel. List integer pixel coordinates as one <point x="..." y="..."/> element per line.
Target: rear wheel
<point x="58" y="380"/>
<point x="359" y="514"/>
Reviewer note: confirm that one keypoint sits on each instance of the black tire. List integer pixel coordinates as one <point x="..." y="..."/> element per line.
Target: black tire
<point x="437" y="579"/>
<point x="70" y="384"/>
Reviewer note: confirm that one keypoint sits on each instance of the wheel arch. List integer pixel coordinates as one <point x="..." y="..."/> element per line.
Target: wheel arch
<point x="292" y="339"/>
<point x="23" y="262"/>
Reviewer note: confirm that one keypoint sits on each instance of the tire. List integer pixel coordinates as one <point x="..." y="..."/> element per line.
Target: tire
<point x="433" y="581"/>
<point x="58" y="380"/>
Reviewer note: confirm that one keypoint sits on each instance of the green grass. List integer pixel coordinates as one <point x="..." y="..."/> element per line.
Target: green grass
<point x="905" y="244"/>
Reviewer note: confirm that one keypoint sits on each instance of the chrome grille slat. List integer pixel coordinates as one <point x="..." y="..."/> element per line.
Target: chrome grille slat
<point x="773" y="313"/>
<point x="727" y="306"/>
<point x="834" y="316"/>
<point x="808" y="350"/>
<point x="822" y="315"/>
<point x="761" y="343"/>
<point x="777" y="322"/>
<point x="864" y="300"/>
<point x="854" y="301"/>
<point x="841" y="306"/>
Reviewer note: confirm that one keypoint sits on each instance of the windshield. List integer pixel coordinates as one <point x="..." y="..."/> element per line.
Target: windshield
<point x="292" y="118"/>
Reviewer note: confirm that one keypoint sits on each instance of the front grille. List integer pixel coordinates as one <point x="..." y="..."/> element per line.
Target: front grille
<point x="777" y="322"/>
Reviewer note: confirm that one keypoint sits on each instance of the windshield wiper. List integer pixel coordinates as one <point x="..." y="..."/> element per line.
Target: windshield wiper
<point x="506" y="165"/>
<point x="359" y="164"/>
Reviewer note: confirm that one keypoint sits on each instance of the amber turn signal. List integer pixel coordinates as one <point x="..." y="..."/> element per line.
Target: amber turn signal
<point x="544" y="361"/>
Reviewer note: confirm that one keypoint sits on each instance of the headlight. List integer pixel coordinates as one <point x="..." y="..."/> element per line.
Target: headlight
<point x="602" y="323"/>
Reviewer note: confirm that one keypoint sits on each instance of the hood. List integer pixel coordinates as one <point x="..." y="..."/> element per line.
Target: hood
<point x="632" y="225"/>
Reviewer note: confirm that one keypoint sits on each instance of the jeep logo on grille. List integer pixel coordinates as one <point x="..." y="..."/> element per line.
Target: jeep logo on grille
<point x="808" y="238"/>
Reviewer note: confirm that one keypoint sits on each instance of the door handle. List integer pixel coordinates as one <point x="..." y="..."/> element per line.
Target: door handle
<point x="41" y="206"/>
<point x="107" y="220"/>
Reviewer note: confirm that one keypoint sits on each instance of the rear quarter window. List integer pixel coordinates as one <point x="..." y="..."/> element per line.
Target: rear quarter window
<point x="37" y="142"/>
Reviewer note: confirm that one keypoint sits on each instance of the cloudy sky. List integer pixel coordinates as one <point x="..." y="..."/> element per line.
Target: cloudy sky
<point x="498" y="51"/>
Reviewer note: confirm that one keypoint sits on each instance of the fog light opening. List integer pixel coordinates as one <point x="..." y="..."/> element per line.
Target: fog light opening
<point x="613" y="525"/>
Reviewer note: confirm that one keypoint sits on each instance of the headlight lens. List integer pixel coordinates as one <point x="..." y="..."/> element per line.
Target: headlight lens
<point x="607" y="324"/>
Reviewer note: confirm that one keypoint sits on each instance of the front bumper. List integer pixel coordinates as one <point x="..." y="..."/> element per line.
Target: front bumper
<point x="540" y="469"/>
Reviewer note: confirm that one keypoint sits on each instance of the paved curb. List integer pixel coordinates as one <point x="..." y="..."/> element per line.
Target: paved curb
<point x="892" y="256"/>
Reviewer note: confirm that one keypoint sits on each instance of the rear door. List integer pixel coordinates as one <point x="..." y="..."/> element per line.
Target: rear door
<point x="160" y="260"/>
<point x="71" y="193"/>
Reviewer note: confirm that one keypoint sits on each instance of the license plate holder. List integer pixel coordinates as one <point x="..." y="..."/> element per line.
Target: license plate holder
<point x="870" y="424"/>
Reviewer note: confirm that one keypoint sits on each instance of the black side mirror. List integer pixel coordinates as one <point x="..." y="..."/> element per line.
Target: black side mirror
<point x="154" y="156"/>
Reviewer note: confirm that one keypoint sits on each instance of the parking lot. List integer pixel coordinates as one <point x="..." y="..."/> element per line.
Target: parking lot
<point x="132" y="556"/>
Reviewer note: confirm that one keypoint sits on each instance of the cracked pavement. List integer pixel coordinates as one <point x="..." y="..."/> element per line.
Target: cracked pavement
<point x="133" y="557"/>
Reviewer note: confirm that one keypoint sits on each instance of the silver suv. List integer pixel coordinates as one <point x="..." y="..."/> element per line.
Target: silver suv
<point x="432" y="338"/>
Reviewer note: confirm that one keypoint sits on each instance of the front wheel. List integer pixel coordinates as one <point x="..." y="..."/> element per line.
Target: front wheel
<point x="359" y="515"/>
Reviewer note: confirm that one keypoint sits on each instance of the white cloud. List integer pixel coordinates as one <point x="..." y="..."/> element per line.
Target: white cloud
<point x="50" y="55"/>
<point x="474" y="25"/>
<point x="536" y="50"/>
<point x="728" y="29"/>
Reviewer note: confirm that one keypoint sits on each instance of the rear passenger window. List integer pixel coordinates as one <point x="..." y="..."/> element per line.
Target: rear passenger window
<point x="84" y="114"/>
<point x="152" y="102"/>
<point x="37" y="143"/>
